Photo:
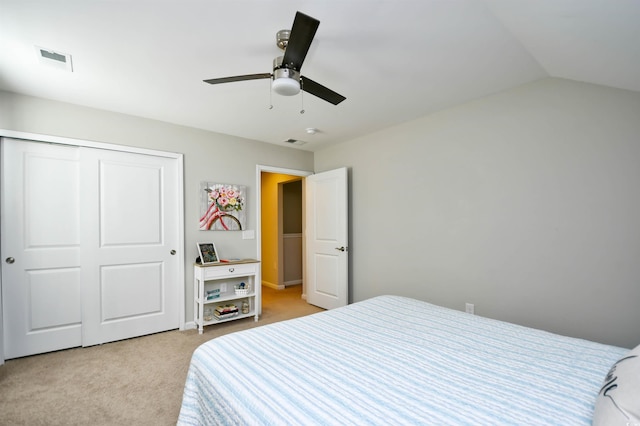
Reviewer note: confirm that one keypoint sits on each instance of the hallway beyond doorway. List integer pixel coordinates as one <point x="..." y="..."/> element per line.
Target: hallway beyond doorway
<point x="283" y="302"/>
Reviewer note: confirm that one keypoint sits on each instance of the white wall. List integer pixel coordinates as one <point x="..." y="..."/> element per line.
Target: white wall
<point x="207" y="156"/>
<point x="526" y="203"/>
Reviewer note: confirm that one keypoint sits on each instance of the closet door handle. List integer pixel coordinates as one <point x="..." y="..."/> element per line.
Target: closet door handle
<point x="10" y="260"/>
<point x="173" y="252"/>
<point x="343" y="248"/>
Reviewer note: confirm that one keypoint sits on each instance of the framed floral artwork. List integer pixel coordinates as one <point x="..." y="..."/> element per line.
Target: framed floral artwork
<point x="222" y="207"/>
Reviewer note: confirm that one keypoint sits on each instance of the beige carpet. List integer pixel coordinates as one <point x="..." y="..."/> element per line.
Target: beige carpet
<point x="132" y="382"/>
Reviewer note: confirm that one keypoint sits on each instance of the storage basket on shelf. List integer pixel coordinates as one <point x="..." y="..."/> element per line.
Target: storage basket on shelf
<point x="242" y="289"/>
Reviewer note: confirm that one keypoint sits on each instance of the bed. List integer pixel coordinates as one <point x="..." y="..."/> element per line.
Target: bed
<point x="395" y="360"/>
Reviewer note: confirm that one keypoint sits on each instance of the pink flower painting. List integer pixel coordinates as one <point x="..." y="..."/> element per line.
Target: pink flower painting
<point x="222" y="207"/>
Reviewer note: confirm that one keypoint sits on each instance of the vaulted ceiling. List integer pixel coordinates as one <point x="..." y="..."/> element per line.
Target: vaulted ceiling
<point x="394" y="60"/>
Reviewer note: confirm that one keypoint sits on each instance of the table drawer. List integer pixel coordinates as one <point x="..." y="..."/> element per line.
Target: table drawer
<point x="225" y="271"/>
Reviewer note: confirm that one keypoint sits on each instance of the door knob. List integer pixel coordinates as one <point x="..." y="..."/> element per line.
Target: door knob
<point x="173" y="252"/>
<point x="343" y="248"/>
<point x="10" y="260"/>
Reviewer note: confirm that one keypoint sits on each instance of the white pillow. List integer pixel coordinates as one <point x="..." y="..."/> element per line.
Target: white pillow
<point x="618" y="402"/>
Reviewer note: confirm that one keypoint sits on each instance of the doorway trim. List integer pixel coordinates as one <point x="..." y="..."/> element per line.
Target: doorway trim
<point x="281" y="170"/>
<point x="4" y="133"/>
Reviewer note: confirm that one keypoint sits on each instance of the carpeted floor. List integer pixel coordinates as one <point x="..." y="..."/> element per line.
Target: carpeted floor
<point x="132" y="382"/>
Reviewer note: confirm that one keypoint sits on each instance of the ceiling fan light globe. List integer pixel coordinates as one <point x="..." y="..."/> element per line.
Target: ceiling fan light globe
<point x="286" y="86"/>
<point x="286" y="81"/>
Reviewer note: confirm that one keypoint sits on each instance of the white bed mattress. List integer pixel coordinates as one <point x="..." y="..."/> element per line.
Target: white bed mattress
<point x="394" y="360"/>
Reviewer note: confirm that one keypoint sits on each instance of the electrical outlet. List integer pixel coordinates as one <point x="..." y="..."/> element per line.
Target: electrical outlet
<point x="223" y="287"/>
<point x="469" y="308"/>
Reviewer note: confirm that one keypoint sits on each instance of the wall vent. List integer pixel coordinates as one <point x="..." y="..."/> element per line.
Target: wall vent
<point x="295" y="142"/>
<point x="55" y="59"/>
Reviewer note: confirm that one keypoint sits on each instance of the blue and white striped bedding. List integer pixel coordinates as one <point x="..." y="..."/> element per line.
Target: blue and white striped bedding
<point x="394" y="360"/>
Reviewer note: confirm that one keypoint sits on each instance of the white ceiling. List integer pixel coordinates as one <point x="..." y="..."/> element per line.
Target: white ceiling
<point x="394" y="60"/>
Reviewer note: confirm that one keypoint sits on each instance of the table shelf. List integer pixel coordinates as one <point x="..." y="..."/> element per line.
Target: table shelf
<point x="222" y="279"/>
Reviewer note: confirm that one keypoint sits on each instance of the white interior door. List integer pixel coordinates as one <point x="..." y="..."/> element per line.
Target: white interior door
<point x="41" y="247"/>
<point x="90" y="244"/>
<point x="129" y="254"/>
<point x="326" y="201"/>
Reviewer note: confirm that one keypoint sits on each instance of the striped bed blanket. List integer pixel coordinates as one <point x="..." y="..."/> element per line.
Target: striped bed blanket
<point x="394" y="360"/>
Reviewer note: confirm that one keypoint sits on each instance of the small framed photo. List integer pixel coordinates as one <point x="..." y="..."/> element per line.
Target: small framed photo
<point x="208" y="253"/>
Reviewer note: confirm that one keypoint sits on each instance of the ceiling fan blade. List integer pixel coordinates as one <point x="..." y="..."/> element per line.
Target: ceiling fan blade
<point x="302" y="32"/>
<point x="237" y="78"/>
<point x="320" y="91"/>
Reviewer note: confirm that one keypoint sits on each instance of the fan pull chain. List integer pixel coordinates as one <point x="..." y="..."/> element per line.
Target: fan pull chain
<point x="270" y="93"/>
<point x="301" y="96"/>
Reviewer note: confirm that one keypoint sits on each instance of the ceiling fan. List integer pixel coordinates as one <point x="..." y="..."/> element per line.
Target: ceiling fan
<point x="286" y="76"/>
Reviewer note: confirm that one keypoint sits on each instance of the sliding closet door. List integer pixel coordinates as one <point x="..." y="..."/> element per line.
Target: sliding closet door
<point x="40" y="247"/>
<point x="130" y="250"/>
<point x="90" y="244"/>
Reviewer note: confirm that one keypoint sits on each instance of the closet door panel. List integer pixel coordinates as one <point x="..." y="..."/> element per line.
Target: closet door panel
<point x="129" y="261"/>
<point x="131" y="290"/>
<point x="130" y="201"/>
<point x="54" y="298"/>
<point x="40" y="244"/>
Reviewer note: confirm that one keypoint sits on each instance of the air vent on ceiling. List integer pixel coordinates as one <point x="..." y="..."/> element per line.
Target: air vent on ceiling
<point x="55" y="59"/>
<point x="295" y="142"/>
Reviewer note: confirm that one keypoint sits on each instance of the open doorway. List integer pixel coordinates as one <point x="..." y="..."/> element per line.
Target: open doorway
<point x="280" y="232"/>
<point x="281" y="222"/>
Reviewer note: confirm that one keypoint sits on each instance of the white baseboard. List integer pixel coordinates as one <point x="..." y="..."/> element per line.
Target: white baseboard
<point x="189" y="325"/>
<point x="272" y="285"/>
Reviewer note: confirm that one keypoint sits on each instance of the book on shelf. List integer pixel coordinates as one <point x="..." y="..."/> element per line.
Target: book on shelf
<point x="223" y="309"/>
<point x="212" y="294"/>
<point x="219" y="315"/>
